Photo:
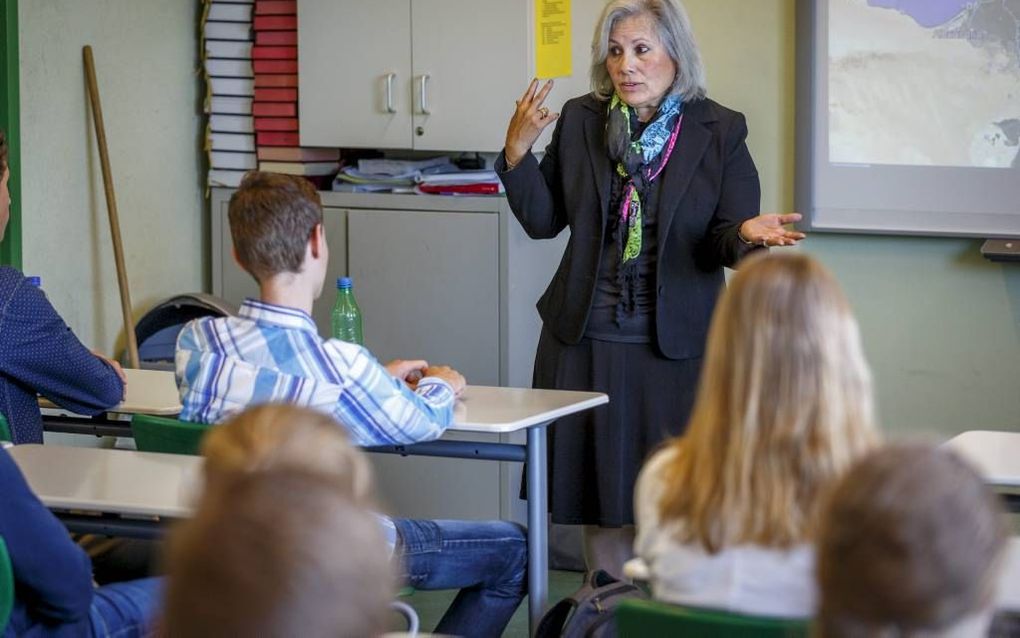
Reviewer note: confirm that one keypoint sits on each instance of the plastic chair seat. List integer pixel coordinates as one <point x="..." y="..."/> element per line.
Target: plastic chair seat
<point x="652" y="619"/>
<point x="171" y="436"/>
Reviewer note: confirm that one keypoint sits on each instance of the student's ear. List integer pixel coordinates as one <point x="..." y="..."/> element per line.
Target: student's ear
<point x="318" y="241"/>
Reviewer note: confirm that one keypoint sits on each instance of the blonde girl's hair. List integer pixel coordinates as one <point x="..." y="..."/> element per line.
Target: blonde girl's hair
<point x="784" y="406"/>
<point x="274" y="436"/>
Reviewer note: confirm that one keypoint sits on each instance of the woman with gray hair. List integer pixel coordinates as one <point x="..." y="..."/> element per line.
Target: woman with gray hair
<point x="655" y="182"/>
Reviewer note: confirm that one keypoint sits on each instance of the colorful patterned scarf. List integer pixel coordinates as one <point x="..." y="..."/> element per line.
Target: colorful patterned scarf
<point x="640" y="161"/>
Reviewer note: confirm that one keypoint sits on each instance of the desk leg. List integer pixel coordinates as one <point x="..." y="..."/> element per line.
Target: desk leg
<point x="538" y="527"/>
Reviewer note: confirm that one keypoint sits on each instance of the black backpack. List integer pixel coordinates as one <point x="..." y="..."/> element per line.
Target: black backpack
<point x="588" y="613"/>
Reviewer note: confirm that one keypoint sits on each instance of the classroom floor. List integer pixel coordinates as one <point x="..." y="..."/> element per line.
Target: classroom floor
<point x="430" y="605"/>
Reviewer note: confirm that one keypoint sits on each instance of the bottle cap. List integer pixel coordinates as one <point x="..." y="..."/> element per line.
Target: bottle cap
<point x="35" y="281"/>
<point x="344" y="282"/>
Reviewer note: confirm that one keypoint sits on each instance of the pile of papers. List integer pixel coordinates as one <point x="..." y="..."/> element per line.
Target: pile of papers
<point x="434" y="176"/>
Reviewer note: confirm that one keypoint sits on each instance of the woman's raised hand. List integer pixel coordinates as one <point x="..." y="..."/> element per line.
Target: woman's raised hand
<point x="768" y="230"/>
<point x="528" y="122"/>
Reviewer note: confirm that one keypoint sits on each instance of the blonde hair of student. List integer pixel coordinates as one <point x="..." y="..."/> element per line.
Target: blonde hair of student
<point x="910" y="544"/>
<point x="784" y="406"/>
<point x="274" y="436"/>
<point x="278" y="553"/>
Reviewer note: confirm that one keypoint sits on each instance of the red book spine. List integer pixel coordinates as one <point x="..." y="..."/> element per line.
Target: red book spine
<point x="276" y="7"/>
<point x="275" y="81"/>
<point x="275" y="95"/>
<point x="276" y="124"/>
<point x="275" y="23"/>
<point x="276" y="38"/>
<point x="275" y="66"/>
<point x="273" y="53"/>
<point x="277" y="138"/>
<point x="274" y="109"/>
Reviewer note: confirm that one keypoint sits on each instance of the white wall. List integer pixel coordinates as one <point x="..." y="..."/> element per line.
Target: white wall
<point x="146" y="56"/>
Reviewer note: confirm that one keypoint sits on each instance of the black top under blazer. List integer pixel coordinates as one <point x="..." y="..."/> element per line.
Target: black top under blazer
<point x="708" y="188"/>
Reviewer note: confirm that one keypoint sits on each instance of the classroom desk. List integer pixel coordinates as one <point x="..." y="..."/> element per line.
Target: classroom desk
<point x="114" y="492"/>
<point x="147" y="392"/>
<point x="996" y="456"/>
<point x="481" y="409"/>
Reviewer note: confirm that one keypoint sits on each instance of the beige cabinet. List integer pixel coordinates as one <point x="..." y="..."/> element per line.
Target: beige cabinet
<point x="431" y="75"/>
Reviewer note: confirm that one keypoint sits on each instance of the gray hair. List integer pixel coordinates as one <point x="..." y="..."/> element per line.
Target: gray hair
<point x="674" y="32"/>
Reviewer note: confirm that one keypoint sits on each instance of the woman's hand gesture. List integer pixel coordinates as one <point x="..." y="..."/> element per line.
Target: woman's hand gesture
<point x="767" y="230"/>
<point x="528" y="122"/>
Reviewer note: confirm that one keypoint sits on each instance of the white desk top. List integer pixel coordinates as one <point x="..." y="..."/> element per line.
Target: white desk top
<point x="147" y="392"/>
<point x="500" y="410"/>
<point x="995" y="455"/>
<point x="111" y="481"/>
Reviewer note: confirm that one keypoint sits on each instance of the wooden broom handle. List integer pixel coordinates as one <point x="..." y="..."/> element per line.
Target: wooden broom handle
<point x="111" y="205"/>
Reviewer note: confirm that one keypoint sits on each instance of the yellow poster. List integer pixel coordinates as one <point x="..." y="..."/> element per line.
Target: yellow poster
<point x="552" y="38"/>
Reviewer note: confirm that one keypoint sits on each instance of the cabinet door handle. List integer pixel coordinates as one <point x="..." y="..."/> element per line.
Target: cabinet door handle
<point x="389" y="92"/>
<point x="423" y="93"/>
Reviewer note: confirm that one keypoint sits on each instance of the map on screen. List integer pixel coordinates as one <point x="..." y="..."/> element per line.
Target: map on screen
<point x="924" y="82"/>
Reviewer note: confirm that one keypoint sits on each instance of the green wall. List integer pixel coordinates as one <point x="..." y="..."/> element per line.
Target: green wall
<point x="941" y="326"/>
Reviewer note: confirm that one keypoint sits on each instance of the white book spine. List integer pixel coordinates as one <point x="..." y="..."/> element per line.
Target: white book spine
<point x="232" y="142"/>
<point x="230" y="105"/>
<point x="230" y="12"/>
<point x="234" y="49"/>
<point x="232" y="160"/>
<point x="231" y="123"/>
<point x="229" y="68"/>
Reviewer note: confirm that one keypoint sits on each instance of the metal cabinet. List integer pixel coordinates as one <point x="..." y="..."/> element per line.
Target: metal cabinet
<point x="432" y="75"/>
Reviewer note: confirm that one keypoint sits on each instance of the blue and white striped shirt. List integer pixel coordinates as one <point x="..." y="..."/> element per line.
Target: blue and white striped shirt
<point x="271" y="353"/>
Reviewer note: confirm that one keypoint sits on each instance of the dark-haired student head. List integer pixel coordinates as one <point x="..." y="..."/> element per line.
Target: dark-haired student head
<point x="910" y="544"/>
<point x="278" y="553"/>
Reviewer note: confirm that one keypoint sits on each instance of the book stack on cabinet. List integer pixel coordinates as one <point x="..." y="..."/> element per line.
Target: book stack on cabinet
<point x="226" y="43"/>
<point x="275" y="106"/>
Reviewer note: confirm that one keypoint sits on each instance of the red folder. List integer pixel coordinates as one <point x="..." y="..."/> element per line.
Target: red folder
<point x="276" y="124"/>
<point x="273" y="53"/>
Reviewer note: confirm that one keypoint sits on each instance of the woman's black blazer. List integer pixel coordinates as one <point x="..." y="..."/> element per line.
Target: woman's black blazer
<point x="708" y="188"/>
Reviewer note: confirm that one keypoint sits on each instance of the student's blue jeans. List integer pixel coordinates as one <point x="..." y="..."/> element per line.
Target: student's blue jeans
<point x="486" y="560"/>
<point x="125" y="610"/>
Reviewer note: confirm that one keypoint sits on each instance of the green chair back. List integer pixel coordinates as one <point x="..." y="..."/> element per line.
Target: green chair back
<point x="6" y="586"/>
<point x="652" y="619"/>
<point x="5" y="429"/>
<point x="160" y="434"/>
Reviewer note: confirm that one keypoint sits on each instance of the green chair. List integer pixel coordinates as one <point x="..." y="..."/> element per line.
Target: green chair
<point x="6" y="586"/>
<point x="652" y="619"/>
<point x="5" y="429"/>
<point x="160" y="434"/>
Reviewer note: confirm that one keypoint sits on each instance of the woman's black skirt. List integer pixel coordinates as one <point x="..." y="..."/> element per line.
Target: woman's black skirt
<point x="595" y="456"/>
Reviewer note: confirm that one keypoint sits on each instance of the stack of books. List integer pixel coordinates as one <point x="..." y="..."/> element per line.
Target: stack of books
<point x="226" y="45"/>
<point x="275" y="106"/>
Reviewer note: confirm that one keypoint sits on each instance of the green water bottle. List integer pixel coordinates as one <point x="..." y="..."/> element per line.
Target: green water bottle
<point x="346" y="314"/>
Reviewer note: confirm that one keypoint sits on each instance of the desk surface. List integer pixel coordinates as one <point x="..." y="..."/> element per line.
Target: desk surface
<point x="500" y="410"/>
<point x="147" y="392"/>
<point x="110" y="481"/>
<point x="995" y="455"/>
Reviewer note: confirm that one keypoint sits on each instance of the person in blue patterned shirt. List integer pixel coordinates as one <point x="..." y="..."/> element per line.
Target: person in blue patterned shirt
<point x="272" y="353"/>
<point x="39" y="354"/>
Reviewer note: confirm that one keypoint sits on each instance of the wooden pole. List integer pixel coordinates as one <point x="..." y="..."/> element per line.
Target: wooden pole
<point x="111" y="205"/>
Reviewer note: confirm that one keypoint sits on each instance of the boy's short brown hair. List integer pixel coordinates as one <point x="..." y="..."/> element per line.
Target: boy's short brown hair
<point x="278" y="553"/>
<point x="271" y="218"/>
